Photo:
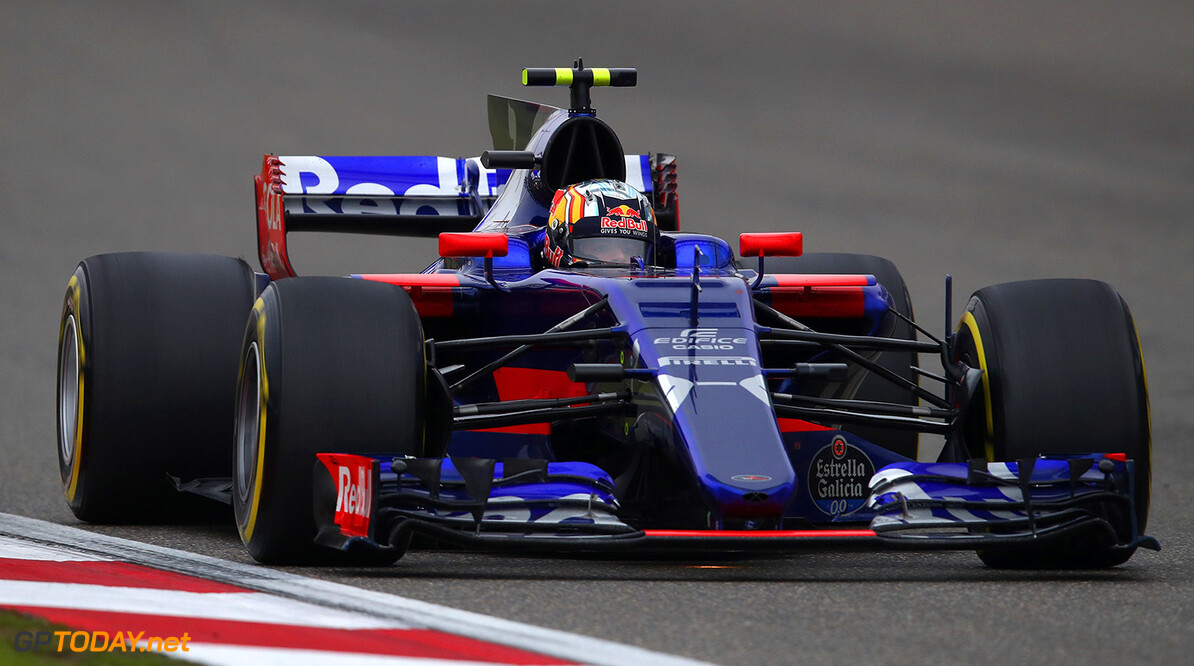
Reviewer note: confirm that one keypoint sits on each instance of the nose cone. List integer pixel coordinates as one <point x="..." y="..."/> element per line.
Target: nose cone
<point x="750" y="500"/>
<point x="732" y="442"/>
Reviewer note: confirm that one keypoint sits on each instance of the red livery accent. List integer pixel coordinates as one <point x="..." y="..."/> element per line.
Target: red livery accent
<point x="762" y="534"/>
<point x="356" y="479"/>
<point x="431" y="292"/>
<point x="1121" y="457"/>
<point x="784" y="244"/>
<point x="432" y="301"/>
<point x="527" y="383"/>
<point x="798" y="280"/>
<point x="409" y="280"/>
<point x="798" y="425"/>
<point x="798" y="295"/>
<point x="818" y="301"/>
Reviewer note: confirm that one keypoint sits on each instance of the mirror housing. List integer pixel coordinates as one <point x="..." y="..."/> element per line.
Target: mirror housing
<point x="488" y="245"/>
<point x="782" y="244"/>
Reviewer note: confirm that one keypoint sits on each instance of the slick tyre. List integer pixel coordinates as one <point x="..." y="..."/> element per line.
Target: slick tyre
<point x="147" y="356"/>
<point x="1063" y="373"/>
<point x="872" y="387"/>
<point x="327" y="364"/>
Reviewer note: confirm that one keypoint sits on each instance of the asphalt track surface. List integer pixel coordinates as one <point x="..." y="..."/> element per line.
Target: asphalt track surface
<point x="994" y="142"/>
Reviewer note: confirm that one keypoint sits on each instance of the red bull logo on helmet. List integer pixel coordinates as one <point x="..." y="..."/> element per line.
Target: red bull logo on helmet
<point x="623" y="218"/>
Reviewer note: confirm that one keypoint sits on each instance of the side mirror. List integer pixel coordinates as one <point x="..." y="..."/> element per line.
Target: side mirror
<point x="783" y="244"/>
<point x="488" y="245"/>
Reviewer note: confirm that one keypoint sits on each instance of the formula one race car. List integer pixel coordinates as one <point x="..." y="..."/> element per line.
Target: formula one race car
<point x="574" y="374"/>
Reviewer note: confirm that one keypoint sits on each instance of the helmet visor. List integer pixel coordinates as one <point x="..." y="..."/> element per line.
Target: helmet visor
<point x="610" y="250"/>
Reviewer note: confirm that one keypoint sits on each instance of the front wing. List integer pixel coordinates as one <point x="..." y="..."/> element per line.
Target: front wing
<point x="377" y="502"/>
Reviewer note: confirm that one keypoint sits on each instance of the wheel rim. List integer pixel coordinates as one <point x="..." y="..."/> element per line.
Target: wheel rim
<point x="248" y="422"/>
<point x="68" y="390"/>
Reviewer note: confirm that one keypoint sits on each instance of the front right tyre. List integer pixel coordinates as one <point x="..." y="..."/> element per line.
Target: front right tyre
<point x="1063" y="373"/>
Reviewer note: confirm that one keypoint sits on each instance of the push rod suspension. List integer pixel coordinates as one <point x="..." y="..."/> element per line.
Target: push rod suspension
<point x="835" y="416"/>
<point x="526" y="346"/>
<point x="858" y="358"/>
<point x="510" y="406"/>
<point x="856" y="341"/>
<point x="529" y="340"/>
<point x="536" y="416"/>
<point x="866" y="407"/>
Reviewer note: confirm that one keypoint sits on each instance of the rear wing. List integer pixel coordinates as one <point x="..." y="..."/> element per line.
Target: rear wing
<point x="393" y="195"/>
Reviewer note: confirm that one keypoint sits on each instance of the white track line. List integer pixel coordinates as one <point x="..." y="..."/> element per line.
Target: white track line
<point x="239" y="655"/>
<point x="229" y="606"/>
<point x="19" y="549"/>
<point x="378" y="605"/>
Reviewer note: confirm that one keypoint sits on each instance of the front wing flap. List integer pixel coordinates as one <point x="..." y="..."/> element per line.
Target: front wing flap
<point x="989" y="505"/>
<point x="376" y="501"/>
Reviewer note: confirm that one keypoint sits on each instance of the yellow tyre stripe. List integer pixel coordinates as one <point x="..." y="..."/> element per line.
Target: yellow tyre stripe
<point x="77" y="461"/>
<point x="247" y="533"/>
<point x="969" y="322"/>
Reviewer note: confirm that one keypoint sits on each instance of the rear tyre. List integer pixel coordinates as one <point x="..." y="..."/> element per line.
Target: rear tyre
<point x="327" y="364"/>
<point x="1063" y="373"/>
<point x="872" y="387"/>
<point x="147" y="355"/>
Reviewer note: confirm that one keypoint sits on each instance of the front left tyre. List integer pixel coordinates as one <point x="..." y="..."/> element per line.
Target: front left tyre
<point x="327" y="365"/>
<point x="148" y="345"/>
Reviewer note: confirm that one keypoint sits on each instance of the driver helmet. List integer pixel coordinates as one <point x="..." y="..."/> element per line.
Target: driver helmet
<point x="600" y="222"/>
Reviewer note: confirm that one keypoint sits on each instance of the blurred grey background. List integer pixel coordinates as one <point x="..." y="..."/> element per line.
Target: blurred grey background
<point x="993" y="141"/>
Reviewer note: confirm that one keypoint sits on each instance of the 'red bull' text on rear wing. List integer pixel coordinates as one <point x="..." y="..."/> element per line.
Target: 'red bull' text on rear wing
<point x="390" y="195"/>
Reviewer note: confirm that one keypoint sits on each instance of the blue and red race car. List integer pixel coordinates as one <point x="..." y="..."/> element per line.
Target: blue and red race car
<point x="575" y="374"/>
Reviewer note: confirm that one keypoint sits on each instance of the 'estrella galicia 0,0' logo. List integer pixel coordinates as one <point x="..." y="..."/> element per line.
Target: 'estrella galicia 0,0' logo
<point x="838" y="476"/>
